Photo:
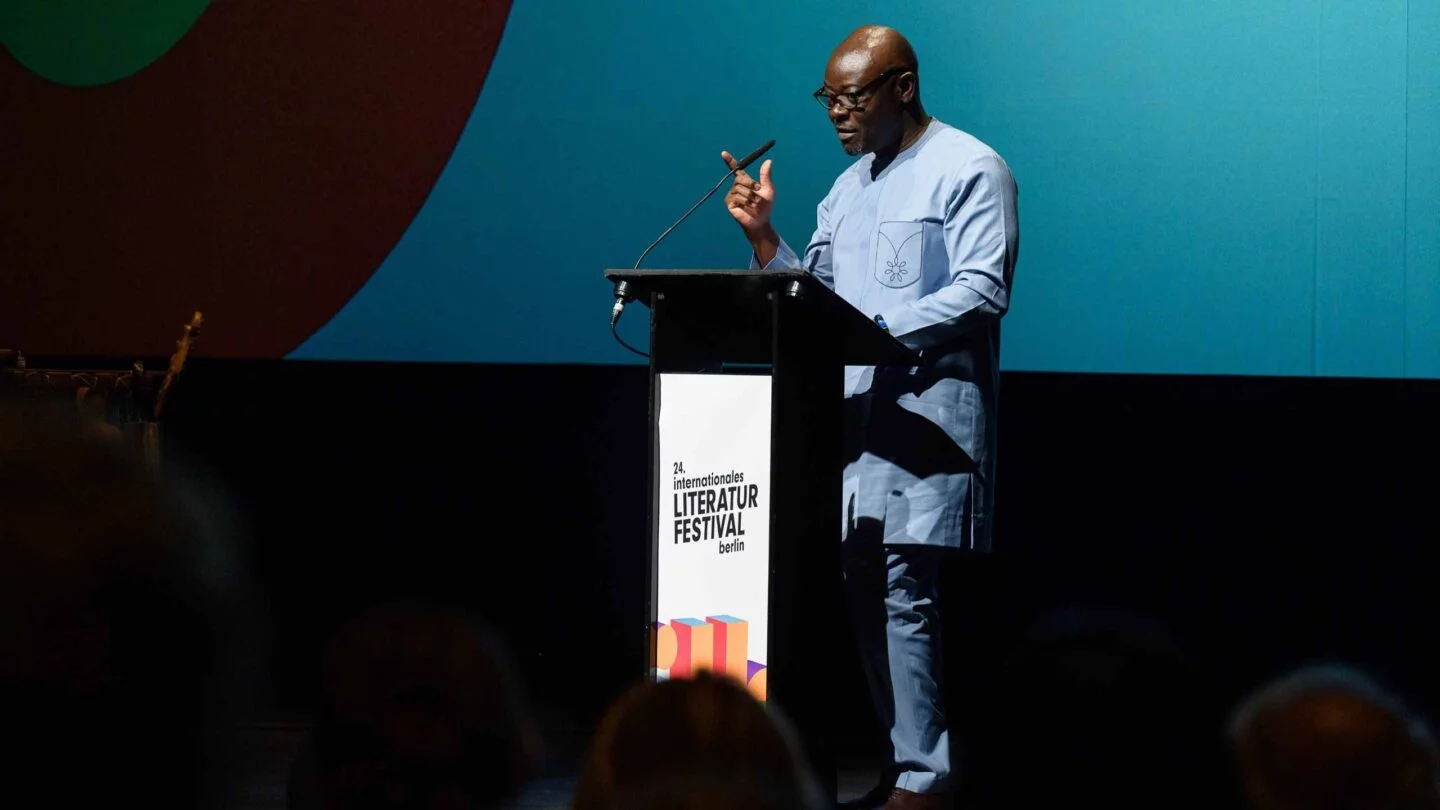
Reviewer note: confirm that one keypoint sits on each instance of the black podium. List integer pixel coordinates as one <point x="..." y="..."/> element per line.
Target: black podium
<point x="789" y="328"/>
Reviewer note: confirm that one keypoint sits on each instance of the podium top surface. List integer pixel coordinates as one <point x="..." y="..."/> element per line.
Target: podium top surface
<point x="733" y="307"/>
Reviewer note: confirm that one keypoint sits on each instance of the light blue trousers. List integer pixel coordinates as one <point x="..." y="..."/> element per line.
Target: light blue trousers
<point x="893" y="598"/>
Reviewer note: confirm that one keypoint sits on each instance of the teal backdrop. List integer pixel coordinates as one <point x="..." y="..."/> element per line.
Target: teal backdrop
<point x="1217" y="187"/>
<point x="1206" y="187"/>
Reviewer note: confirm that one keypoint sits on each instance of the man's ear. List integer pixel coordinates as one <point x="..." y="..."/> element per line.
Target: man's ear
<point x="909" y="86"/>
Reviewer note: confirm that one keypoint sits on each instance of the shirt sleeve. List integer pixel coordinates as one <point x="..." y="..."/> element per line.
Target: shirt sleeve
<point x="981" y="239"/>
<point x="818" y="254"/>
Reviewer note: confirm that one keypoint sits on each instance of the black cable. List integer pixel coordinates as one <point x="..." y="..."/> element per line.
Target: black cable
<point x="616" y="333"/>
<point x="683" y="217"/>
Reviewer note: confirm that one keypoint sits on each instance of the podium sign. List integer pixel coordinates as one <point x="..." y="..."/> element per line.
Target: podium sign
<point x="712" y="530"/>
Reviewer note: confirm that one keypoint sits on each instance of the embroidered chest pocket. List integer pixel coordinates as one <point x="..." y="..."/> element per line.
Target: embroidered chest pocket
<point x="899" y="253"/>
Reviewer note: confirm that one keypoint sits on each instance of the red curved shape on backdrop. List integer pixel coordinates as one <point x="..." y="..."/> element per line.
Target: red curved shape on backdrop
<point x="259" y="172"/>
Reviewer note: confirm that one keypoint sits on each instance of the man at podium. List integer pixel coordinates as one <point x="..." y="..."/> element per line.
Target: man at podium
<point x="920" y="233"/>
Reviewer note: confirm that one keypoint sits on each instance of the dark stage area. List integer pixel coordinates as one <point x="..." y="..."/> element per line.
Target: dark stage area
<point x="1259" y="521"/>
<point x="1256" y="523"/>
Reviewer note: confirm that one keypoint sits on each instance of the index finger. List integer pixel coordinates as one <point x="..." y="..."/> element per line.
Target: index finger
<point x="729" y="159"/>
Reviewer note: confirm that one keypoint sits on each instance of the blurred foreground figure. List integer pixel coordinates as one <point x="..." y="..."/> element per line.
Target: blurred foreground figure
<point x="693" y="744"/>
<point x="125" y="630"/>
<point x="1330" y="738"/>
<point x="419" y="708"/>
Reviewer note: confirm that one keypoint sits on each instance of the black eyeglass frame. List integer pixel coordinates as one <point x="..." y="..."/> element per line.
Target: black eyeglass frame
<point x="857" y="98"/>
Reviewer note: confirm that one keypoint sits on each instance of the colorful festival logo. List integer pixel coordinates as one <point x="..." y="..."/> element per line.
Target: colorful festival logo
<point x="719" y="644"/>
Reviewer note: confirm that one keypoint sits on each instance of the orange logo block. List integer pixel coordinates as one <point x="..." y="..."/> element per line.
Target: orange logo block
<point x="732" y="645"/>
<point x="696" y="642"/>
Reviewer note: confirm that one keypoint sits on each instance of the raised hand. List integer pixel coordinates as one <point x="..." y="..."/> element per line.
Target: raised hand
<point x="750" y="201"/>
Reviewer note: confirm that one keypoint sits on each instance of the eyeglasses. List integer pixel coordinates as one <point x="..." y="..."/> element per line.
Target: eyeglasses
<point x="853" y="101"/>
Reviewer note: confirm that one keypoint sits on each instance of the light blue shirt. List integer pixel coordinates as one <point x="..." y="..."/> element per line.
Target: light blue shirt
<point x="930" y="246"/>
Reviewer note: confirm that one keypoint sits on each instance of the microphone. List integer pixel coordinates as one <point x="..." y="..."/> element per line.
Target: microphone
<point x="622" y="288"/>
<point x="752" y="157"/>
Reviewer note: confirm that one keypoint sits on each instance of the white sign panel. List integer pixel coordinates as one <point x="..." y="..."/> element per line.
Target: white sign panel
<point x="713" y="533"/>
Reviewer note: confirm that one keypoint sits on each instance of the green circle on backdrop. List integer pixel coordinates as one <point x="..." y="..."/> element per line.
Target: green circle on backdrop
<point x="89" y="42"/>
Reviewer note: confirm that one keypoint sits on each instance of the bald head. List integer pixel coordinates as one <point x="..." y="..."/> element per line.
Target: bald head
<point x="876" y="45"/>
<point x="1330" y="737"/>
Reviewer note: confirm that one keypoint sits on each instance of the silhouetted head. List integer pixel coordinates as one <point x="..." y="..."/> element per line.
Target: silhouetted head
<point x="1331" y="738"/>
<point x="420" y="707"/>
<point x="872" y="87"/>
<point x="671" y="738"/>
<point x="125" y="627"/>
